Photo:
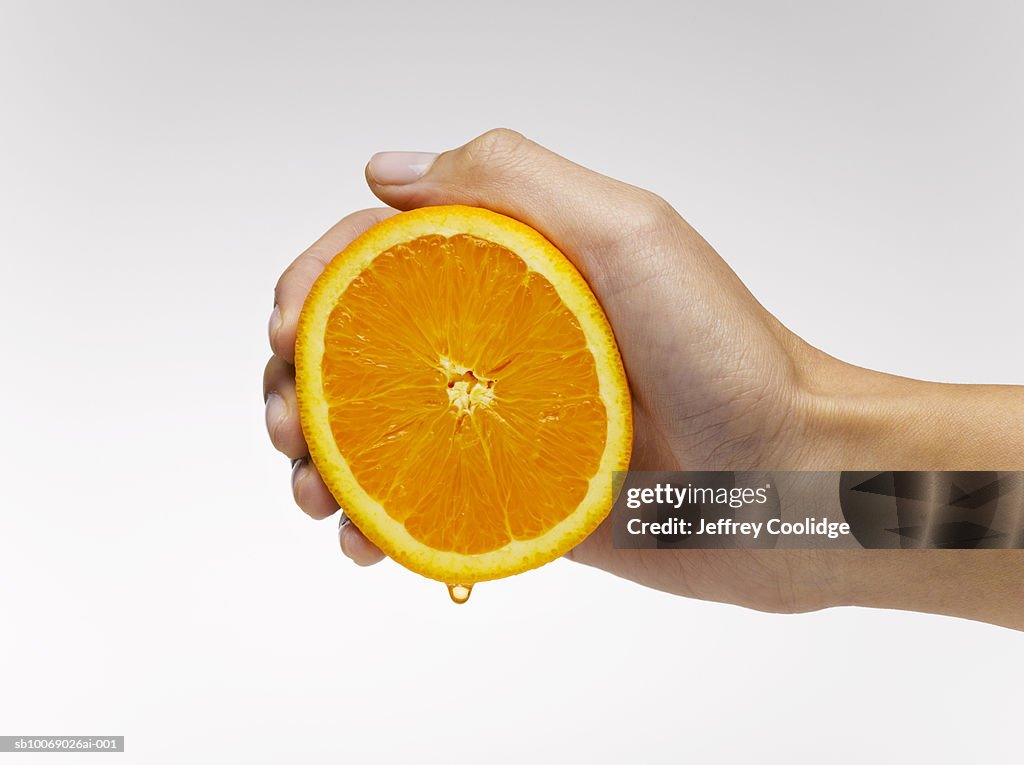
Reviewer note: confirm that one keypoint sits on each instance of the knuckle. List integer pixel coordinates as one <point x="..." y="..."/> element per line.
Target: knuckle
<point x="636" y="218"/>
<point x="496" y="146"/>
<point x="650" y="215"/>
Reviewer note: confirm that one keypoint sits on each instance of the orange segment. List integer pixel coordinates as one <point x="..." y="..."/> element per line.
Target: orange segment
<point x="462" y="394"/>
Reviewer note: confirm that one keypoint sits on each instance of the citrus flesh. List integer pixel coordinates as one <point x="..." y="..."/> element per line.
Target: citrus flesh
<point x="462" y="394"/>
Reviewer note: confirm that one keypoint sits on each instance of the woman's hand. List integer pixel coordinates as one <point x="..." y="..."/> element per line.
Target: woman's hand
<point x="717" y="382"/>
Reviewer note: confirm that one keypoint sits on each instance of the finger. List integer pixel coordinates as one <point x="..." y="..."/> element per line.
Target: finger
<point x="282" y="411"/>
<point x="582" y="211"/>
<point x="295" y="282"/>
<point x="310" y="492"/>
<point x="356" y="546"/>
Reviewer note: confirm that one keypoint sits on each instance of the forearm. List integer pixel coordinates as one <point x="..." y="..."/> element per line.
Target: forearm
<point x="873" y="421"/>
<point x="985" y="585"/>
<point x="866" y="420"/>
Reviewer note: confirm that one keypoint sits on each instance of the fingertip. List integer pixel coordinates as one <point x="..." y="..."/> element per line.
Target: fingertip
<point x="356" y="547"/>
<point x="398" y="168"/>
<point x="281" y="410"/>
<point x="310" y="493"/>
<point x="281" y="330"/>
<point x="275" y="413"/>
<point x="274" y="324"/>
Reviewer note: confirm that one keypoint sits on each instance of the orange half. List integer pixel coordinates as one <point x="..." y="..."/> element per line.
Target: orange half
<point x="462" y="394"/>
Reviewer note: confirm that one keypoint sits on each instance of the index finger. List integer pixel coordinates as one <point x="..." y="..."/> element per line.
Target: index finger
<point x="298" y="278"/>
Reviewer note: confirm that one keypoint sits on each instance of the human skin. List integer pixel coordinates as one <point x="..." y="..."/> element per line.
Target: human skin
<point x="718" y="383"/>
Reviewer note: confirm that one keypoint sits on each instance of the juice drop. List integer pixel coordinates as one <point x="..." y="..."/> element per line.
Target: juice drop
<point x="460" y="592"/>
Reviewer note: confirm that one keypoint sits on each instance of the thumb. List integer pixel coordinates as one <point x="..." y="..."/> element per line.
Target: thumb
<point x="586" y="214"/>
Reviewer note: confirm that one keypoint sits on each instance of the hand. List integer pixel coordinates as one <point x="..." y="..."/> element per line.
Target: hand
<point x="717" y="381"/>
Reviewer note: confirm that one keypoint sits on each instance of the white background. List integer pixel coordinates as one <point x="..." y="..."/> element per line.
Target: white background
<point x="859" y="164"/>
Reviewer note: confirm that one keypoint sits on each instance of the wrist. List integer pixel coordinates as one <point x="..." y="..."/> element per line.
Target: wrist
<point x="858" y="419"/>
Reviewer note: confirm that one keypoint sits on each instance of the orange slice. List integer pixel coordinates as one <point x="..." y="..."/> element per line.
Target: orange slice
<point x="462" y="394"/>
